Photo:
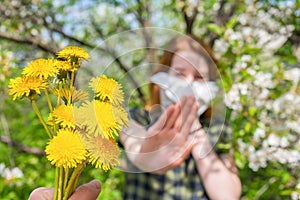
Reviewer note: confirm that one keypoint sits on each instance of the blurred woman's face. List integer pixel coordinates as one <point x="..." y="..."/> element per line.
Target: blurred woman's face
<point x="189" y="66"/>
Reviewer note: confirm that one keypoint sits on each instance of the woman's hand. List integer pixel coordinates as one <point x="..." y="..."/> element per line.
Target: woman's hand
<point x="88" y="191"/>
<point x="168" y="141"/>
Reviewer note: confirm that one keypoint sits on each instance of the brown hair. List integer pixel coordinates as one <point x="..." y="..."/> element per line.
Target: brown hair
<point x="182" y="43"/>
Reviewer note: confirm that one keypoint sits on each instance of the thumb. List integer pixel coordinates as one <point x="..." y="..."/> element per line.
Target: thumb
<point x="88" y="191"/>
<point x="41" y="193"/>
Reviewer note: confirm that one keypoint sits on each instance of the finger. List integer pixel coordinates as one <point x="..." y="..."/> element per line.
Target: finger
<point x="88" y="191"/>
<point x="183" y="102"/>
<point x="163" y="119"/>
<point x="190" y="118"/>
<point x="42" y="193"/>
<point x="185" y="111"/>
<point x="170" y="131"/>
<point x="173" y="117"/>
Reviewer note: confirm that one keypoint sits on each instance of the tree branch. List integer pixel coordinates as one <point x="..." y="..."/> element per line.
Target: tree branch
<point x="221" y="18"/>
<point x="69" y="37"/>
<point x="22" y="148"/>
<point x="122" y="66"/>
<point x="29" y="41"/>
<point x="189" y="20"/>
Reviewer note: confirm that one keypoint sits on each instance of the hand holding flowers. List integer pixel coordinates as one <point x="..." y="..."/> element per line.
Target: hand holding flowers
<point x="82" y="130"/>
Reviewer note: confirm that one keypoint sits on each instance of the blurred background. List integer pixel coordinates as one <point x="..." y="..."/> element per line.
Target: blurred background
<point x="256" y="43"/>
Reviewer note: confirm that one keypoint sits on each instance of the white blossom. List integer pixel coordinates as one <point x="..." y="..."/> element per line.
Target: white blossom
<point x="276" y="42"/>
<point x="2" y="168"/>
<point x="273" y="140"/>
<point x="293" y="74"/>
<point x="220" y="46"/>
<point x="294" y="125"/>
<point x="232" y="99"/>
<point x="13" y="173"/>
<point x="258" y="134"/>
<point x="251" y="71"/>
<point x="284" y="142"/>
<point x="296" y="52"/>
<point x="10" y="175"/>
<point x="264" y="79"/>
<point x="295" y="195"/>
<point x="246" y="58"/>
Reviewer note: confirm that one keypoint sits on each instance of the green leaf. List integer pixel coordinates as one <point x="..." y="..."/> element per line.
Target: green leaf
<point x="248" y="127"/>
<point x="240" y="163"/>
<point x="215" y="28"/>
<point x="231" y="23"/>
<point x="252" y="111"/>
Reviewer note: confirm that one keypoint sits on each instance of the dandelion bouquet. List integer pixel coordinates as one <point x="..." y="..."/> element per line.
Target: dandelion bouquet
<point x="82" y="128"/>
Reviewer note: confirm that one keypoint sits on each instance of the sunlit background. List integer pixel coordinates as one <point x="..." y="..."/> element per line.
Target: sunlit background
<point x="256" y="42"/>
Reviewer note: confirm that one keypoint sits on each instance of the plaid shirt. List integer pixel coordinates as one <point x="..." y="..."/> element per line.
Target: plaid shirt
<point x="180" y="183"/>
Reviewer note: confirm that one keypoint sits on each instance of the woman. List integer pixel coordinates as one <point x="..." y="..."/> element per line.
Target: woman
<point x="173" y="157"/>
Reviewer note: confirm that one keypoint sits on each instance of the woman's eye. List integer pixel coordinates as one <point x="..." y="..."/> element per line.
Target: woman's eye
<point x="199" y="78"/>
<point x="179" y="74"/>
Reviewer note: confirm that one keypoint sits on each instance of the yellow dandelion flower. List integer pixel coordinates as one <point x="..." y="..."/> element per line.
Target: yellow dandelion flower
<point x="41" y="68"/>
<point x="66" y="149"/>
<point x="63" y="115"/>
<point x="107" y="89"/>
<point x="101" y="118"/>
<point x="121" y="115"/>
<point x="103" y="152"/>
<point x="79" y="95"/>
<point x="73" y="52"/>
<point x="64" y="94"/>
<point x="26" y="86"/>
<point x="65" y="66"/>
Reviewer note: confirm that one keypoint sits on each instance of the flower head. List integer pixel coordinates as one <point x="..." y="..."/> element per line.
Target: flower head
<point x="101" y="118"/>
<point x="65" y="66"/>
<point x="103" y="152"/>
<point x="73" y="52"/>
<point x="41" y="68"/>
<point x="26" y="86"/>
<point x="107" y="89"/>
<point x="66" y="149"/>
<point x="63" y="115"/>
<point x="64" y="94"/>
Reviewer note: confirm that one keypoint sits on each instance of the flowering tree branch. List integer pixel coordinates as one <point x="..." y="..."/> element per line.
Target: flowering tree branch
<point x="222" y="17"/>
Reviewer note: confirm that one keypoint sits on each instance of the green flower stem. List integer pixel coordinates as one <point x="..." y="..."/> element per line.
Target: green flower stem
<point x="71" y="87"/>
<point x="73" y="181"/>
<point x="56" y="183"/>
<point x="60" y="183"/>
<point x="59" y="93"/>
<point x="66" y="178"/>
<point x="48" y="100"/>
<point x="76" y="181"/>
<point x="37" y="111"/>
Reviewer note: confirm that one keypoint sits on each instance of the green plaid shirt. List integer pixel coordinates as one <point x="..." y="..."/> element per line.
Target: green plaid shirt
<point x="180" y="183"/>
